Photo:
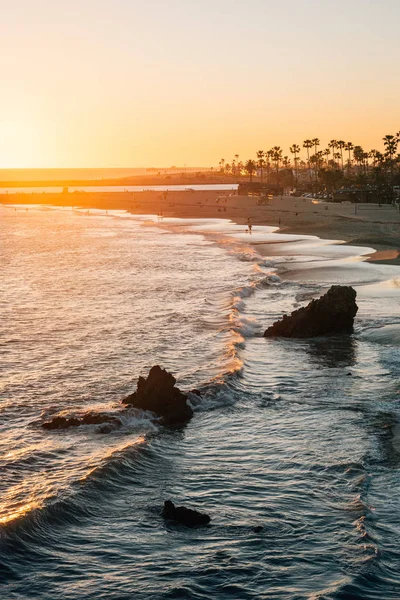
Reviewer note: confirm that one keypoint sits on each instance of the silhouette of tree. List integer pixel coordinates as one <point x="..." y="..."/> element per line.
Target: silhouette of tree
<point x="316" y="143"/>
<point x="308" y="144"/>
<point x="333" y="145"/>
<point x="277" y="157"/>
<point x="349" y="148"/>
<point x="295" y="149"/>
<point x="390" y="142"/>
<point x="250" y="166"/>
<point x="261" y="162"/>
<point x="358" y="154"/>
<point x="341" y="145"/>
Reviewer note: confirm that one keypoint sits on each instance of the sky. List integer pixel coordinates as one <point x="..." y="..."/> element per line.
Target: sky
<point x="129" y="83"/>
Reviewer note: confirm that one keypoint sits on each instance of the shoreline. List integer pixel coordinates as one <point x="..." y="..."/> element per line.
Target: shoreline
<point x="357" y="225"/>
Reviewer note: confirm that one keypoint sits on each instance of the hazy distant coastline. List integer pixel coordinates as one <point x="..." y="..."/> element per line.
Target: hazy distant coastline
<point x="111" y="177"/>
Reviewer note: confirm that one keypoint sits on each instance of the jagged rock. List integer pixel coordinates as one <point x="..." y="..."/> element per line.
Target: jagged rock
<point x="61" y="423"/>
<point x="90" y="418"/>
<point x="183" y="515"/>
<point x="333" y="313"/>
<point x="159" y="395"/>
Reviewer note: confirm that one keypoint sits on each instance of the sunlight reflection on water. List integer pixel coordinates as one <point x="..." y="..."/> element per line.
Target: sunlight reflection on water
<point x="300" y="437"/>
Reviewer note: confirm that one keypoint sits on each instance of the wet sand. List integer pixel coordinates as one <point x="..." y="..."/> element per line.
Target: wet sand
<point x="361" y="225"/>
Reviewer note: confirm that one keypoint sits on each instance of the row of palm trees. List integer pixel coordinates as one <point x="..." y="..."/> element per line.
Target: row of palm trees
<point x="331" y="158"/>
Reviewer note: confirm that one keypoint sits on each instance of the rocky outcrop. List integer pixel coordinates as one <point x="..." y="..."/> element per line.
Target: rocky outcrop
<point x="90" y="418"/>
<point x="333" y="313"/>
<point x="156" y="393"/>
<point x="183" y="515"/>
<point x="159" y="395"/>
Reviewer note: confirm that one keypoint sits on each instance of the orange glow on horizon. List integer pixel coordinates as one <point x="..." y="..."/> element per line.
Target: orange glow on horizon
<point x="193" y="83"/>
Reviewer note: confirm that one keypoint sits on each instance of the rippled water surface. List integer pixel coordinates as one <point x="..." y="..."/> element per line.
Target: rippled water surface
<point x="299" y="437"/>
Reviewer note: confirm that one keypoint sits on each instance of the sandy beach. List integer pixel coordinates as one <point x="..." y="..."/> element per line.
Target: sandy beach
<point x="363" y="224"/>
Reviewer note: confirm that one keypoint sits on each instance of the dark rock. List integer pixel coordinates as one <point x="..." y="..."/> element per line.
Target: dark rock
<point x="98" y="419"/>
<point x="258" y="529"/>
<point x="196" y="392"/>
<point x="333" y="313"/>
<point x="159" y="395"/>
<point x="185" y="516"/>
<point x="61" y="423"/>
<point x="87" y="419"/>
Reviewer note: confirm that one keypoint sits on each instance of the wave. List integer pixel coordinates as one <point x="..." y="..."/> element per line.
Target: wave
<point x="387" y="334"/>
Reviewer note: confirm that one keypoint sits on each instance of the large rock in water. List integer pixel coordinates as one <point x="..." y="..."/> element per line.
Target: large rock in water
<point x="333" y="313"/>
<point x="158" y="394"/>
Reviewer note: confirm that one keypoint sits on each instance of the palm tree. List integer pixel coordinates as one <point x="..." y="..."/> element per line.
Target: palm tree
<point x="308" y="144"/>
<point x="277" y="157"/>
<point x="316" y="143"/>
<point x="222" y="165"/>
<point x="337" y="155"/>
<point x="261" y="162"/>
<point x="358" y="154"/>
<point x="250" y="167"/>
<point x="314" y="161"/>
<point x="366" y="165"/>
<point x="390" y="142"/>
<point x="341" y="144"/>
<point x="269" y="156"/>
<point x="373" y="154"/>
<point x="333" y="145"/>
<point x="327" y="153"/>
<point x="349" y="148"/>
<point x="320" y="158"/>
<point x="295" y="149"/>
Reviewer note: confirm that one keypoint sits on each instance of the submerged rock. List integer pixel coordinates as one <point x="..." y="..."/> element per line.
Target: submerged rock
<point x="159" y="395"/>
<point x="90" y="418"/>
<point x="61" y="423"/>
<point x="258" y="529"/>
<point x="333" y="313"/>
<point x="183" y="515"/>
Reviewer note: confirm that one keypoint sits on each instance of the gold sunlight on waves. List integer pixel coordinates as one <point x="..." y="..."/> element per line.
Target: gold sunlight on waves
<point x="31" y="494"/>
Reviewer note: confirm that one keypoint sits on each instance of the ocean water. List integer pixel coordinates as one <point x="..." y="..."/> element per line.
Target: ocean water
<point x="301" y="437"/>
<point x="119" y="188"/>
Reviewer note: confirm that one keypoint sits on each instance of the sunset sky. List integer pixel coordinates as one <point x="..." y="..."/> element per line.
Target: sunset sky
<point x="131" y="83"/>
